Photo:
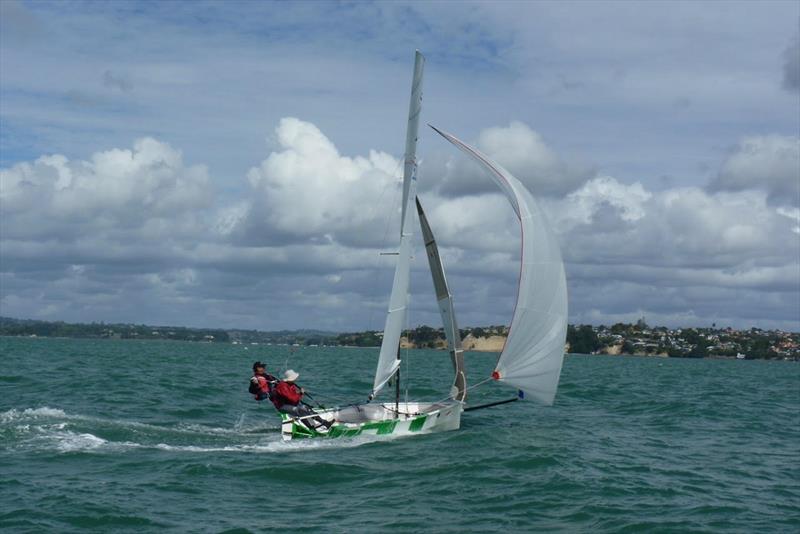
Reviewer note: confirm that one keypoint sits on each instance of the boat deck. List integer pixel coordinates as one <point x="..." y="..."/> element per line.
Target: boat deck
<point x="365" y="413"/>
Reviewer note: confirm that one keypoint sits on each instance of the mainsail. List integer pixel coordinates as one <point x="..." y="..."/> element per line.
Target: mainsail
<point x="446" y="308"/>
<point x="534" y="351"/>
<point x="389" y="359"/>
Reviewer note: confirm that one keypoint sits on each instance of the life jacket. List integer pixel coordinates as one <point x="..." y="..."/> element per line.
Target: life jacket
<point x="280" y="400"/>
<point x="263" y="389"/>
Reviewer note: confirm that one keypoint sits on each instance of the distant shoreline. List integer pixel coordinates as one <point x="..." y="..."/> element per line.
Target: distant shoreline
<point x="619" y="339"/>
<point x="375" y="348"/>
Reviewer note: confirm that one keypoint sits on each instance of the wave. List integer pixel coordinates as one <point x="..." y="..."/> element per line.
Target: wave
<point x="30" y="415"/>
<point x="53" y="429"/>
<point x="14" y="414"/>
<point x="279" y="445"/>
<point x="66" y="441"/>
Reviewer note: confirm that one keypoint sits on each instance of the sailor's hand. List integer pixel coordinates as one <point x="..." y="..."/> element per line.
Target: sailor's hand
<point x="302" y="390"/>
<point x="254" y="380"/>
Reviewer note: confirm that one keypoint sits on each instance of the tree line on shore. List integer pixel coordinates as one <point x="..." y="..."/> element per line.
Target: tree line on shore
<point x="620" y="338"/>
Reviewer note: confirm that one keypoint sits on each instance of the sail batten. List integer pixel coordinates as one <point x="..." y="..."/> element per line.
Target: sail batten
<point x="388" y="360"/>
<point x="533" y="354"/>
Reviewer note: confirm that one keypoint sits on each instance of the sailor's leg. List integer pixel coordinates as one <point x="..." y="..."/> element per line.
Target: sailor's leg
<point x="301" y="411"/>
<point x="305" y="410"/>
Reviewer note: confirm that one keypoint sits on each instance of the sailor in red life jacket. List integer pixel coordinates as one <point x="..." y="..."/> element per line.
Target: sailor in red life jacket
<point x="288" y="398"/>
<point x="261" y="384"/>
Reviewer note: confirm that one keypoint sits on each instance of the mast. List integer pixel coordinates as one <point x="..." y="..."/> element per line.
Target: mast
<point x="446" y="308"/>
<point x="389" y="359"/>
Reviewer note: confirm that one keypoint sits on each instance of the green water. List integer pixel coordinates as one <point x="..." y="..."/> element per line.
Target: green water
<point x="153" y="436"/>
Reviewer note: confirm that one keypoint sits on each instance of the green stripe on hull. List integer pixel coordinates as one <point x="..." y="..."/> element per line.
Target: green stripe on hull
<point x="381" y="427"/>
<point x="343" y="431"/>
<point x="387" y="427"/>
<point x="384" y="427"/>
<point x="417" y="424"/>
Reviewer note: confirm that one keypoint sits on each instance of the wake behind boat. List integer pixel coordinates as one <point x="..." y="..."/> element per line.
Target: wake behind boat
<point x="534" y="351"/>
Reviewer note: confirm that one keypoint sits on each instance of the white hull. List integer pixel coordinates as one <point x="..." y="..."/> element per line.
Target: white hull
<point x="380" y="419"/>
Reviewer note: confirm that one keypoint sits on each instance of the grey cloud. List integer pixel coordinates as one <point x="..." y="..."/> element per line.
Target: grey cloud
<point x="769" y="163"/>
<point x="523" y="152"/>
<point x="115" y="253"/>
<point x="791" y="66"/>
<point x="613" y="302"/>
<point x="113" y="81"/>
<point x="17" y="23"/>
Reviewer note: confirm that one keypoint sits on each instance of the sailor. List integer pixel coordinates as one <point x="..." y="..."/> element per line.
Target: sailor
<point x="288" y="398"/>
<point x="261" y="384"/>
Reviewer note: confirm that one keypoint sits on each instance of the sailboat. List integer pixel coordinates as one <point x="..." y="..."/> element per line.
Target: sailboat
<point x="534" y="350"/>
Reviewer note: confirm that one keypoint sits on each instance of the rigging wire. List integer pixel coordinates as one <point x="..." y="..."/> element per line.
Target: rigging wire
<point x="392" y="183"/>
<point x="408" y="329"/>
<point x="468" y="388"/>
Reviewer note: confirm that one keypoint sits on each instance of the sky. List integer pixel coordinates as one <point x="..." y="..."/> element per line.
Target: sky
<point x="238" y="164"/>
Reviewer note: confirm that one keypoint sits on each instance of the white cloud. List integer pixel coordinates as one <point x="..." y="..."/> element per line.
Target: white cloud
<point x="627" y="200"/>
<point x="147" y="188"/>
<point x="793" y="214"/>
<point x="136" y="234"/>
<point x="770" y="163"/>
<point x="674" y="228"/>
<point x="308" y="190"/>
<point x="524" y="153"/>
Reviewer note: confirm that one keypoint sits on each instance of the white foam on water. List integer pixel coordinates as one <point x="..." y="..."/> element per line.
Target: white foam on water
<point x="13" y="414"/>
<point x="49" y="429"/>
<point x="25" y="417"/>
<point x="279" y="445"/>
<point x="194" y="428"/>
<point x="72" y="442"/>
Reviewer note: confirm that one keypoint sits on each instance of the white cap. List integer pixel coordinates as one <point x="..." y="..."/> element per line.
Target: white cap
<point x="290" y="376"/>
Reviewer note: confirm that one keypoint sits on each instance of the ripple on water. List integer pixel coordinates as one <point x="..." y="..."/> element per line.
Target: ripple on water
<point x="630" y="445"/>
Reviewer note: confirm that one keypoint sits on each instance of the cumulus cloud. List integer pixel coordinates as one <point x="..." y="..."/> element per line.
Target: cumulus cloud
<point x="524" y="153"/>
<point x="307" y="190"/>
<point x="627" y="200"/>
<point x="116" y="189"/>
<point x="137" y="234"/>
<point x="769" y="163"/>
<point x="607" y="222"/>
<point x="686" y="257"/>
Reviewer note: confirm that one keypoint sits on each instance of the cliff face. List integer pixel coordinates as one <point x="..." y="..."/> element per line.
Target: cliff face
<point x="493" y="343"/>
<point x="484" y="344"/>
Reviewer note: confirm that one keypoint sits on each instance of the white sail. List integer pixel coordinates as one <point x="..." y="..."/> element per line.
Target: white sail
<point x="446" y="309"/>
<point x="389" y="360"/>
<point x="534" y="351"/>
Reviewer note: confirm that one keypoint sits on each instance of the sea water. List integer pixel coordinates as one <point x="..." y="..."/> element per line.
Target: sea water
<point x="148" y="436"/>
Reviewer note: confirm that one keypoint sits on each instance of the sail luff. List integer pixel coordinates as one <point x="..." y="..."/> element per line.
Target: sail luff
<point x="533" y="354"/>
<point x="446" y="308"/>
<point x="412" y="134"/>
<point x="388" y="360"/>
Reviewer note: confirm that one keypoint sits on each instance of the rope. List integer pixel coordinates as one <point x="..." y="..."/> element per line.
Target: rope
<point x="467" y="389"/>
<point x="334" y="399"/>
